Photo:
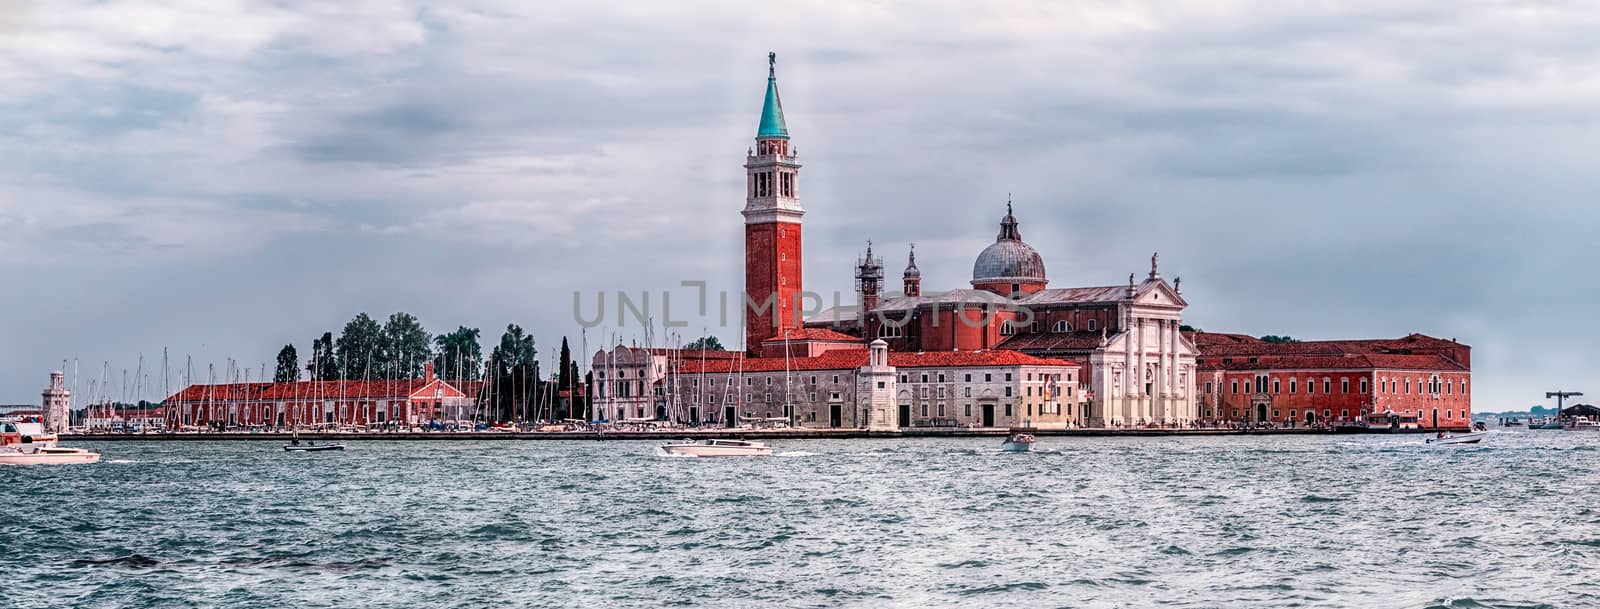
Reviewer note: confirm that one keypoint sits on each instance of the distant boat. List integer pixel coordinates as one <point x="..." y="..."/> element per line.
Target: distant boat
<point x="311" y="448"/>
<point x="1464" y="438"/>
<point x="1018" y="442"/>
<point x="717" y="448"/>
<point x="1546" y="423"/>
<point x="1583" y="425"/>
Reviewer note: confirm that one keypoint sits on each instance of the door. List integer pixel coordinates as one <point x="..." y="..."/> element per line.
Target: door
<point x="1311" y="417"/>
<point x="1261" y="413"/>
<point x="694" y="416"/>
<point x="905" y="415"/>
<point x="988" y="415"/>
<point x="1436" y="418"/>
<point x="835" y="415"/>
<point x="729" y="417"/>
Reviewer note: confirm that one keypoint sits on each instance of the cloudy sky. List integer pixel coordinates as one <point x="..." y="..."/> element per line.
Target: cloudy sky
<point x="220" y="177"/>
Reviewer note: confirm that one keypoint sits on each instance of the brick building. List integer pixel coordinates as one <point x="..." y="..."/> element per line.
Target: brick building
<point x="319" y="403"/>
<point x="1415" y="379"/>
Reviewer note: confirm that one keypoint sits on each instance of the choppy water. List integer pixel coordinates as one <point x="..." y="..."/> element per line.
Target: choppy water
<point x="1371" y="521"/>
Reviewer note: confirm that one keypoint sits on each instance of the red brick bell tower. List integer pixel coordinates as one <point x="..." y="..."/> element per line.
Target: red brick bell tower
<point x="771" y="225"/>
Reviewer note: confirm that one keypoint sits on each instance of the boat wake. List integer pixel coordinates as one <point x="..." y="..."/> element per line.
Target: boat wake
<point x="796" y="453"/>
<point x="662" y="452"/>
<point x="121" y="461"/>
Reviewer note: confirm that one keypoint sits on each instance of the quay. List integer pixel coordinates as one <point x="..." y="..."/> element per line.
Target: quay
<point x="703" y="433"/>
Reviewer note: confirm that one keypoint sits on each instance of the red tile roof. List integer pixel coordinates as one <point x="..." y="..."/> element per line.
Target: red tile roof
<point x="1354" y="361"/>
<point x="847" y="359"/>
<point x="1053" y="341"/>
<point x="362" y="389"/>
<point x="819" y="334"/>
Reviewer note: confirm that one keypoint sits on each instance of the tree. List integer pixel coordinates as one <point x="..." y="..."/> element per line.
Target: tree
<point x="359" y="349"/>
<point x="1275" y="339"/>
<point x="288" y="365"/>
<point x="406" y="347"/>
<point x="324" y="365"/>
<point x="513" y="374"/>
<point x="460" y="357"/>
<point x="708" y="343"/>
<point x="1189" y="328"/>
<point x="563" y="374"/>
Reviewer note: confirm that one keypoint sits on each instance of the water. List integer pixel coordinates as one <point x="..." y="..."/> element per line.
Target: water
<point x="1302" y="521"/>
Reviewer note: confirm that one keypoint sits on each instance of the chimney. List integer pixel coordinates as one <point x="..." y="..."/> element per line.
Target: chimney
<point x="427" y="372"/>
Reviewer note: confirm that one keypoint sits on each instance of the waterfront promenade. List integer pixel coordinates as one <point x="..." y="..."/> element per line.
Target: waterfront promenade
<point x="704" y="433"/>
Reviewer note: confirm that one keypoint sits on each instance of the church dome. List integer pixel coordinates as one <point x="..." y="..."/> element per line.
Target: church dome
<point x="1008" y="259"/>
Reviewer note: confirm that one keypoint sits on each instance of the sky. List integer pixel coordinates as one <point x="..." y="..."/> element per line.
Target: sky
<point x="217" y="178"/>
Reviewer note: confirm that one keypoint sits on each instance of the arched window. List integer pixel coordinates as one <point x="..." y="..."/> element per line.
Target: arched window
<point x="1063" y="326"/>
<point x="1007" y="329"/>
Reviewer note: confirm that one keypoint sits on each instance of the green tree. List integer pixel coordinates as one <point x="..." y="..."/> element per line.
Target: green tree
<point x="324" y="364"/>
<point x="708" y="343"/>
<point x="1189" y="328"/>
<point x="360" y="349"/>
<point x="564" y="374"/>
<point x="1273" y="338"/>
<point x="288" y="365"/>
<point x="406" y="348"/>
<point x="513" y="374"/>
<point x="460" y="357"/>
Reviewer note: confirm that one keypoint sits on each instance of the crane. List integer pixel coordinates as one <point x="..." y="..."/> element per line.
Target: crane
<point x="1560" y="397"/>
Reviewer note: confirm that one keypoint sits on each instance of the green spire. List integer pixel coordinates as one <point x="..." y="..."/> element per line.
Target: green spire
<point x="772" y="109"/>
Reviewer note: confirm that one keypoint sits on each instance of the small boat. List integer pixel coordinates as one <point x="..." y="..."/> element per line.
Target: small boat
<point x="1018" y="442"/>
<point x="1548" y="423"/>
<point x="1464" y="438"/>
<point x="311" y="448"/>
<point x="717" y="448"/>
<point x="1583" y="425"/>
<point x="47" y="455"/>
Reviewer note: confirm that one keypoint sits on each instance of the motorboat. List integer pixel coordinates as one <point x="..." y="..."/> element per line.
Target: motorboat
<point x="717" y="448"/>
<point x="1547" y="423"/>
<point x="29" y="430"/>
<point x="1018" y="442"/>
<point x="1462" y="438"/>
<point x="311" y="447"/>
<point x="39" y="454"/>
<point x="1583" y="425"/>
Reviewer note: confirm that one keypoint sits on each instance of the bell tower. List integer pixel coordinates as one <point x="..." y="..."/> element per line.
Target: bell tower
<point x="772" y="215"/>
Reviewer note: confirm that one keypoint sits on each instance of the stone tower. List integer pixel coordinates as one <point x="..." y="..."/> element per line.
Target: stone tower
<point x="772" y="215"/>
<point x="913" y="277"/>
<point x="57" y="404"/>
<point x="878" y="389"/>
<point x="869" y="282"/>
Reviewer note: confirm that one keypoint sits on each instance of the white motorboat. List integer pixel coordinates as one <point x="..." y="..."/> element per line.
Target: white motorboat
<point x="1583" y="425"/>
<point x="717" y="448"/>
<point x="1459" y="438"/>
<point x="1018" y="443"/>
<point x="38" y="454"/>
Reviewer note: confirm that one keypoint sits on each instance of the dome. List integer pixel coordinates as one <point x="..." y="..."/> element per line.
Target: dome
<point x="1008" y="259"/>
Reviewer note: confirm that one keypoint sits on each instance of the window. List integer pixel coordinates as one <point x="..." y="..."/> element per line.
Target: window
<point x="813" y="396"/>
<point x="968" y="391"/>
<point x="1293" y="384"/>
<point x="1007" y="329"/>
<point x="903" y="378"/>
<point x="1008" y="377"/>
<point x="1008" y="410"/>
<point x="1008" y="391"/>
<point x="1344" y="413"/>
<point x="880" y="386"/>
<point x="1275" y="385"/>
<point x="1363" y="385"/>
<point x="1063" y="326"/>
<point x="1408" y="386"/>
<point x="1208" y="386"/>
<point x="835" y="378"/>
<point x="1235" y="386"/>
<point x="890" y="330"/>
<point x="941" y="411"/>
<point x="1344" y="385"/>
<point x="1091" y="325"/>
<point x="941" y="377"/>
<point x="967" y="409"/>
<point x="924" y="410"/>
<point x="988" y="378"/>
<point x="1327" y="385"/>
<point x="969" y="377"/>
<point x="1016" y="287"/>
<point x="924" y="377"/>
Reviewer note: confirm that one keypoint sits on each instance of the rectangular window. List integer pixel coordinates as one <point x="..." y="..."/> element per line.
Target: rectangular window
<point x="941" y="377"/>
<point x="967" y="391"/>
<point x="924" y="410"/>
<point x="1008" y="410"/>
<point x="1236" y="386"/>
<point x="969" y="377"/>
<point x="1008" y="391"/>
<point x="1327" y="386"/>
<point x="967" y="409"/>
<point x="1008" y="377"/>
<point x="1293" y="385"/>
<point x="988" y="378"/>
<point x="1276" y="386"/>
<point x="1363" y="385"/>
<point x="924" y="377"/>
<point x="941" y="410"/>
<point x="1208" y="386"/>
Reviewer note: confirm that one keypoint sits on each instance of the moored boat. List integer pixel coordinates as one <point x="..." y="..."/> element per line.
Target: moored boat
<point x="1018" y="442"/>
<point x="1583" y="425"/>
<point x="717" y="448"/>
<point x="1459" y="438"/>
